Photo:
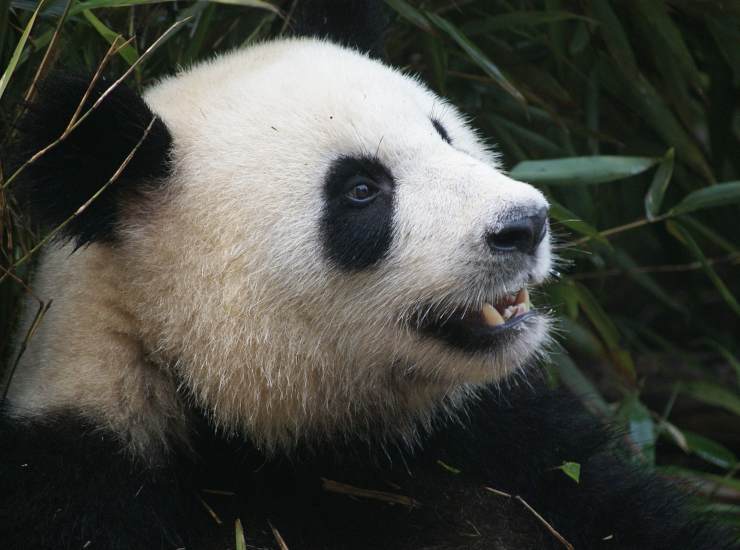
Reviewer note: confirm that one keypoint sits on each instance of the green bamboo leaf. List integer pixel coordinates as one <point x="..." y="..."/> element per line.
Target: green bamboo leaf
<point x="614" y="36"/>
<point x="127" y="52"/>
<point x="683" y="235"/>
<point x="410" y="13"/>
<point x="713" y="394"/>
<point x="675" y="434"/>
<point x="572" y="377"/>
<point x="581" y="170"/>
<point x="642" y="96"/>
<point x="507" y="21"/>
<point x="561" y="214"/>
<point x="99" y="4"/>
<point x="711" y="451"/>
<point x="721" y="194"/>
<point x="10" y="69"/>
<point x="259" y="4"/>
<point x="572" y="470"/>
<point x="728" y="355"/>
<point x="641" y="427"/>
<point x="727" y="37"/>
<point x="661" y="179"/>
<point x="607" y="330"/>
<point x="241" y="543"/>
<point x="645" y="280"/>
<point x="526" y="137"/>
<point x="476" y="54"/>
<point x="665" y="33"/>
<point x="709" y="234"/>
<point x="696" y="475"/>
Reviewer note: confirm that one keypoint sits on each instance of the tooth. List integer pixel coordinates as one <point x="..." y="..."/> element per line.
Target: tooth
<point x="522" y="297"/>
<point x="509" y="312"/>
<point x="491" y="316"/>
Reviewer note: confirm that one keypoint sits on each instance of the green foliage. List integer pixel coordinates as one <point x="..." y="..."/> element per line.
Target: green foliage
<point x="624" y="114"/>
<point x="572" y="470"/>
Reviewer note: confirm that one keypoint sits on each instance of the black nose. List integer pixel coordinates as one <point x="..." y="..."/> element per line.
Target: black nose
<point x="522" y="233"/>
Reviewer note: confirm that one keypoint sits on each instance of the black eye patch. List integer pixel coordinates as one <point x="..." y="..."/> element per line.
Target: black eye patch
<point x="441" y="130"/>
<point x="357" y="234"/>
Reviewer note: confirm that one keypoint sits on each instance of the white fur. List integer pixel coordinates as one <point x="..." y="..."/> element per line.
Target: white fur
<point x="220" y="278"/>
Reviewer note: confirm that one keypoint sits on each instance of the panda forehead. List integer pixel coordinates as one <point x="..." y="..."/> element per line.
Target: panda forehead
<point x="302" y="85"/>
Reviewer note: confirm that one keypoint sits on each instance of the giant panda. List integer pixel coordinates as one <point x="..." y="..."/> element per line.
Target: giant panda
<point x="301" y="300"/>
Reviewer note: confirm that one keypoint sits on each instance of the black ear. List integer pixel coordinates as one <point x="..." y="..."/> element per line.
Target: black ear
<point x="55" y="185"/>
<point x="360" y="24"/>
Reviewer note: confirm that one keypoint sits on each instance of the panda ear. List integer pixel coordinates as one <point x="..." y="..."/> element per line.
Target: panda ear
<point x="359" y="24"/>
<point x="67" y="175"/>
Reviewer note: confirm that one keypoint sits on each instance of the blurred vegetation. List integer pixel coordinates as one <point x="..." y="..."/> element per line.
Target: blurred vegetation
<point x="625" y="113"/>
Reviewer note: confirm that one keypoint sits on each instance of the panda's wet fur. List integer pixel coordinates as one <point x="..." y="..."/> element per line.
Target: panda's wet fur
<point x="223" y="319"/>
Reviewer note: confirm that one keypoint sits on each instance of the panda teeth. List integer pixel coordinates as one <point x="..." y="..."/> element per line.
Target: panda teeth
<point x="522" y="298"/>
<point x="491" y="316"/>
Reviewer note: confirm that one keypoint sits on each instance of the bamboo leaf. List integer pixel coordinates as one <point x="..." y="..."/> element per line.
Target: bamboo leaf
<point x="642" y="96"/>
<point x="127" y="52"/>
<point x="721" y="194"/>
<point x="685" y="237"/>
<point x="709" y="234"/>
<point x="571" y="376"/>
<point x="98" y="4"/>
<point x="625" y="261"/>
<point x="581" y="170"/>
<point x="661" y="179"/>
<point x="572" y="470"/>
<point x="710" y="450"/>
<point x="241" y="543"/>
<point x="410" y="13"/>
<point x="10" y="69"/>
<point x="607" y="330"/>
<point x="727" y="37"/>
<point x="640" y="424"/>
<point x="713" y="394"/>
<point x="666" y="33"/>
<point x="570" y="220"/>
<point x="486" y="25"/>
<point x="476" y="55"/>
<point x="614" y="35"/>
<point x="728" y="356"/>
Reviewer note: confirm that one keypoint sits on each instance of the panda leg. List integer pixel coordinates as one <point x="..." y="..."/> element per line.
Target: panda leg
<point x="66" y="483"/>
<point x="519" y="438"/>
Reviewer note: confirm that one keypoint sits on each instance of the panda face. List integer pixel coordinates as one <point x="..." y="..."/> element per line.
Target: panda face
<point x="336" y="247"/>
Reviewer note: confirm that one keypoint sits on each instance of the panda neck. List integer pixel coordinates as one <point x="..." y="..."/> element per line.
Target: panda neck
<point x="86" y="357"/>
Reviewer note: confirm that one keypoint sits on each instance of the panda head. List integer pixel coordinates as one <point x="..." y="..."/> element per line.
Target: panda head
<point x="312" y="243"/>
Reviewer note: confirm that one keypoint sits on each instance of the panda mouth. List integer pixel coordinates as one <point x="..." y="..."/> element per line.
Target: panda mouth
<point x="488" y="327"/>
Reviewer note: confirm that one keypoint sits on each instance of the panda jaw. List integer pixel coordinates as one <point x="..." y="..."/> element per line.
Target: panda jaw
<point x="485" y="328"/>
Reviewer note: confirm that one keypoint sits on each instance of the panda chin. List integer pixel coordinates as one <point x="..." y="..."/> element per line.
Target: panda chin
<point x="486" y="329"/>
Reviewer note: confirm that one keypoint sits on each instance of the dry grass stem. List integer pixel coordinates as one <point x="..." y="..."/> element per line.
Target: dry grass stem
<point x="211" y="512"/>
<point x="342" y="488"/>
<point x="278" y="537"/>
<point x="536" y="514"/>
<point x="82" y="208"/>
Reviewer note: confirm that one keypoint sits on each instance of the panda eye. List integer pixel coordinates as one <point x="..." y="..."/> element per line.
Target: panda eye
<point x="361" y="190"/>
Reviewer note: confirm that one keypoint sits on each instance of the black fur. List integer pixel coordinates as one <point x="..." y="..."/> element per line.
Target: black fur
<point x="63" y="483"/>
<point x="441" y="130"/>
<point x="360" y="24"/>
<point x="63" y="179"/>
<point x="357" y="237"/>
